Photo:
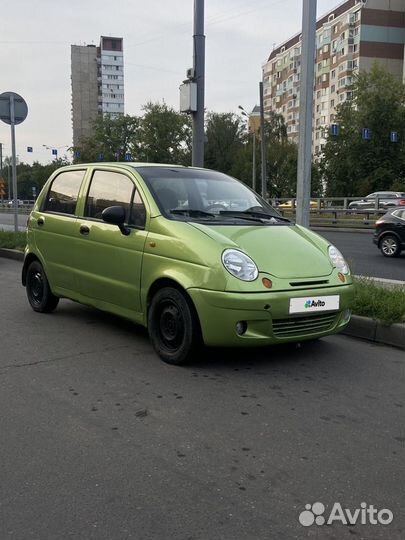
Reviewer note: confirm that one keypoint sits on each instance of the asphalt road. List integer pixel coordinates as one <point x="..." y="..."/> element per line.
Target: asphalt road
<point x="364" y="257"/>
<point x="101" y="440"/>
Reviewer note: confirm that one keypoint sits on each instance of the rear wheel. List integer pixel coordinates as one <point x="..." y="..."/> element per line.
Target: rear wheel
<point x="39" y="293"/>
<point x="173" y="326"/>
<point x="390" y="246"/>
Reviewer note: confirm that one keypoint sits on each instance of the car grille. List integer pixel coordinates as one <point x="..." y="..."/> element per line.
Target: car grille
<point x="299" y="326"/>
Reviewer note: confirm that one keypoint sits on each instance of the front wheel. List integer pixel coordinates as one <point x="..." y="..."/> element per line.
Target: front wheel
<point x="173" y="326"/>
<point x="390" y="246"/>
<point x="39" y="293"/>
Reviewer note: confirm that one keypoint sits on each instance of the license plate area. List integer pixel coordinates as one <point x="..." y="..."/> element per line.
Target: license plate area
<point x="314" y="304"/>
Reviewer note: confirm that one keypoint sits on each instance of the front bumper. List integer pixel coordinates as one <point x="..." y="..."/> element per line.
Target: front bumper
<point x="267" y="316"/>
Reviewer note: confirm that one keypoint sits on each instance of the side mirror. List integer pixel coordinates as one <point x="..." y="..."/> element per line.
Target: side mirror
<point x="115" y="215"/>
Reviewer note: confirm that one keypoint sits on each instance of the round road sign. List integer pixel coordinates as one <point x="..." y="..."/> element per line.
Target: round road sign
<point x="20" y="108"/>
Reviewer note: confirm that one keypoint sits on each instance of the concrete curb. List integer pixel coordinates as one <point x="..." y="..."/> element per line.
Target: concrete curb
<point x="384" y="282"/>
<point x="376" y="331"/>
<point x="12" y="254"/>
<point x="359" y="327"/>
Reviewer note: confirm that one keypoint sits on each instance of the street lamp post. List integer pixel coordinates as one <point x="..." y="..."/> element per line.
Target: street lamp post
<point x="244" y="113"/>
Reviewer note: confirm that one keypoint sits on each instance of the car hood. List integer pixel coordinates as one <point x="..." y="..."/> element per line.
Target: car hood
<point x="285" y="251"/>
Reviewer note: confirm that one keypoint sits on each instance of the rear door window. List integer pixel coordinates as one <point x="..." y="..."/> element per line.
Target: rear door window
<point x="64" y="192"/>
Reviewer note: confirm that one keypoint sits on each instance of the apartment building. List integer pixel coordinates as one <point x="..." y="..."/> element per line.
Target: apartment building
<point x="349" y="38"/>
<point x="97" y="83"/>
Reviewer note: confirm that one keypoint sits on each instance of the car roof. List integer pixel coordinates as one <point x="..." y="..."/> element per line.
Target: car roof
<point x="129" y="164"/>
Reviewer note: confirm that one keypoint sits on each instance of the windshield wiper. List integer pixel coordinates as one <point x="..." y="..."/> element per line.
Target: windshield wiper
<point x="192" y="212"/>
<point x="253" y="214"/>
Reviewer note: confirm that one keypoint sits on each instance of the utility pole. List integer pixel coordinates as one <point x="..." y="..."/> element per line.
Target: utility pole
<point x="254" y="160"/>
<point x="199" y="76"/>
<point x="262" y="143"/>
<point x="305" y="114"/>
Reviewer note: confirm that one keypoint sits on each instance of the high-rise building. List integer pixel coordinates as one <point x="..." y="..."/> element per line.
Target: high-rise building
<point x="349" y="38"/>
<point x="97" y="84"/>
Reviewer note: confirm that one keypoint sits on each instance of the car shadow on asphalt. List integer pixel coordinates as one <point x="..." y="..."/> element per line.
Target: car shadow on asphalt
<point x="207" y="358"/>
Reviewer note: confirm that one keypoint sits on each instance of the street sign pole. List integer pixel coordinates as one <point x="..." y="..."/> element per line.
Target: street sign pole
<point x="13" y="111"/>
<point x="14" y="164"/>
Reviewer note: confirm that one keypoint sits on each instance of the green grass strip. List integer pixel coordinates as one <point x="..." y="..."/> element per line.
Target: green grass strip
<point x="12" y="240"/>
<point x="384" y="304"/>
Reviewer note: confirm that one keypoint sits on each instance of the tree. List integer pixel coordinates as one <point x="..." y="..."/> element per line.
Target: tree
<point x="113" y="137"/>
<point x="352" y="166"/>
<point x="31" y="176"/>
<point x="164" y="136"/>
<point x="282" y="160"/>
<point x="225" y="149"/>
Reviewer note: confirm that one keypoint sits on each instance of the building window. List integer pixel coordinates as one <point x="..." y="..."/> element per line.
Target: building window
<point x="332" y="102"/>
<point x="332" y="89"/>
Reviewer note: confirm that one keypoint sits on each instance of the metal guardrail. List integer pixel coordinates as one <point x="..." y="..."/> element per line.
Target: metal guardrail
<point x="335" y="211"/>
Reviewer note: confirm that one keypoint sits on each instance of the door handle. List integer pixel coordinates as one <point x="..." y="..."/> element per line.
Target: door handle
<point x="84" y="230"/>
<point x="40" y="221"/>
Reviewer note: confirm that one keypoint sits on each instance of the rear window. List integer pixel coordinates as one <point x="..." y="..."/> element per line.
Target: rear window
<point x="64" y="192"/>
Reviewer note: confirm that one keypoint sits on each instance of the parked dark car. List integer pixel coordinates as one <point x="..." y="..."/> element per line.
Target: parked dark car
<point x="390" y="232"/>
<point x="386" y="199"/>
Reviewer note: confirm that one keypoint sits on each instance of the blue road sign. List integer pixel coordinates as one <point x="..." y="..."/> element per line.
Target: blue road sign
<point x="29" y="149"/>
<point x="366" y="134"/>
<point x="100" y="157"/>
<point x="394" y="136"/>
<point x="77" y="154"/>
<point x="54" y="152"/>
<point x="128" y="157"/>
<point x="335" y="130"/>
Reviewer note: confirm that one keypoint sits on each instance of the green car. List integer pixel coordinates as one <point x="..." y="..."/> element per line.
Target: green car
<point x="192" y="254"/>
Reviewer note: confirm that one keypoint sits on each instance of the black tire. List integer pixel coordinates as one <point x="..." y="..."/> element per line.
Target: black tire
<point x="390" y="246"/>
<point x="173" y="326"/>
<point x="39" y="293"/>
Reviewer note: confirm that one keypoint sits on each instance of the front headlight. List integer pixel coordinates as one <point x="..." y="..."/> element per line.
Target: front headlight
<point x="239" y="265"/>
<point x="337" y="260"/>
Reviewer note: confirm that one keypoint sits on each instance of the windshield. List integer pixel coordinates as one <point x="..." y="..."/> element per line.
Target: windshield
<point x="204" y="195"/>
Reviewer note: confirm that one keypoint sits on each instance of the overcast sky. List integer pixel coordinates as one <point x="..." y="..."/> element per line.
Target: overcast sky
<point x="35" y="39"/>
